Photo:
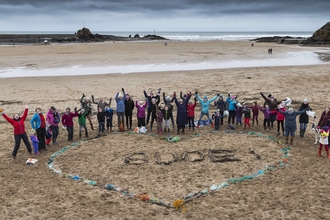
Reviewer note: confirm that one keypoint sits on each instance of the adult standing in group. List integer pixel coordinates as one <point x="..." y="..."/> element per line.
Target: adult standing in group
<point x="129" y="107"/>
<point x="67" y="121"/>
<point x="181" y="117"/>
<point x="149" y="99"/>
<point x="53" y="119"/>
<point x="231" y="102"/>
<point x="221" y="106"/>
<point x="325" y="120"/>
<point x="272" y="103"/>
<point x="101" y="103"/>
<point x="168" y="102"/>
<point x="205" y="103"/>
<point x="120" y="108"/>
<point x="38" y="123"/>
<point x="19" y="131"/>
<point x="290" y="124"/>
<point x="86" y="104"/>
<point x="303" y="118"/>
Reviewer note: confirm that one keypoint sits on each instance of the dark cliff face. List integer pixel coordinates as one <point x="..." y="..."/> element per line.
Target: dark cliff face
<point x="322" y="34"/>
<point x="320" y="37"/>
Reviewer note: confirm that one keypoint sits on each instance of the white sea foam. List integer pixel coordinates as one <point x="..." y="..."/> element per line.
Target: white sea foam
<point x="290" y="59"/>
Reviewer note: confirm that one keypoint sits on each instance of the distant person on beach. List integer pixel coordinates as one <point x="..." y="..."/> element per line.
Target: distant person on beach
<point x="109" y="116"/>
<point x="167" y="112"/>
<point x="272" y="103"/>
<point x="205" y="103"/>
<point x="168" y="102"/>
<point x="86" y="104"/>
<point x="141" y="112"/>
<point x="304" y="118"/>
<point x="181" y="116"/>
<point x="38" y="123"/>
<point x="149" y="98"/>
<point x="129" y="107"/>
<point x="67" y="121"/>
<point x="19" y="131"/>
<point x="231" y="103"/>
<point x="221" y="105"/>
<point x="101" y="103"/>
<point x="53" y="119"/>
<point x="120" y="108"/>
<point x="290" y="124"/>
<point x="82" y="122"/>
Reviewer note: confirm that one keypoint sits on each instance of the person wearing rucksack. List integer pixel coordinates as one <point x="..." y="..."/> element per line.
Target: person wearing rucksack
<point x="53" y="119"/>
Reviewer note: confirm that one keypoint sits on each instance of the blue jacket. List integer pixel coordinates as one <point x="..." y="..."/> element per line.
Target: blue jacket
<point x="205" y="104"/>
<point x="231" y="104"/>
<point x="120" y="103"/>
<point x="35" y="121"/>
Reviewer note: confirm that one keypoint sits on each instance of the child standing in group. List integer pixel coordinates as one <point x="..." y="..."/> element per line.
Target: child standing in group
<point x="159" y="120"/>
<point x="82" y="122"/>
<point x="280" y="119"/>
<point x="247" y="117"/>
<point x="167" y="112"/>
<point x="324" y="134"/>
<point x="101" y="120"/>
<point x="109" y="116"/>
<point x="255" y="112"/>
<point x="35" y="142"/>
<point x="217" y="119"/>
<point x="239" y="113"/>
<point x="191" y="113"/>
<point x="266" y="112"/>
<point x="49" y="135"/>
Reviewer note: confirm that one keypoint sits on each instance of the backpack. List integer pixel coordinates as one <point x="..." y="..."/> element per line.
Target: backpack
<point x="56" y="117"/>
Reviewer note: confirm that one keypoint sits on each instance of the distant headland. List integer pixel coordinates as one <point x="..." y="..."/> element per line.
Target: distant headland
<point x="83" y="35"/>
<point x="321" y="37"/>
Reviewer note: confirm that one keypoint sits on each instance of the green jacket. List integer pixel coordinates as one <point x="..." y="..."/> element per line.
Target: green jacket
<point x="82" y="119"/>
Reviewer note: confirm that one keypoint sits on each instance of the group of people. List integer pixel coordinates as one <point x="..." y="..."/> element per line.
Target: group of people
<point x="45" y="128"/>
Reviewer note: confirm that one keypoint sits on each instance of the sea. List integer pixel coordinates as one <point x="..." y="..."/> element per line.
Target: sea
<point x="188" y="35"/>
<point x="289" y="59"/>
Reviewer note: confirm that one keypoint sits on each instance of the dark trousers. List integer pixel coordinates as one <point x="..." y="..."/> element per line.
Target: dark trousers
<point x="148" y="115"/>
<point x="231" y="117"/>
<point x="70" y="132"/>
<point x="129" y="120"/>
<point x="141" y="122"/>
<point x="41" y="135"/>
<point x="101" y="126"/>
<point x="18" y="138"/>
<point x="216" y="126"/>
<point x="153" y="117"/>
<point x="191" y="122"/>
<point x="266" y="121"/>
<point x="271" y="119"/>
<point x="55" y="132"/>
<point x="120" y="116"/>
<point x="280" y="124"/>
<point x="109" y="123"/>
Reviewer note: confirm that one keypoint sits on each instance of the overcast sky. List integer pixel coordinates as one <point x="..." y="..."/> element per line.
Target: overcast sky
<point x="163" y="15"/>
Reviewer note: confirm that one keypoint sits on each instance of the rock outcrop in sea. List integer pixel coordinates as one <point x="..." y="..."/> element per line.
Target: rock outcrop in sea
<point x="81" y="36"/>
<point x="320" y="37"/>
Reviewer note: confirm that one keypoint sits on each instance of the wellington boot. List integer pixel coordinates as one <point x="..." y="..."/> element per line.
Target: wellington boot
<point x="291" y="140"/>
<point x="319" y="153"/>
<point x="286" y="140"/>
<point x="328" y="154"/>
<point x="303" y="133"/>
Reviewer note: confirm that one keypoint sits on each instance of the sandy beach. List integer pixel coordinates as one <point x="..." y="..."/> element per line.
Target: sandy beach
<point x="296" y="190"/>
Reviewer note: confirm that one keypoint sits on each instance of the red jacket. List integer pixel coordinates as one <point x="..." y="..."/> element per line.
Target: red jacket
<point x="19" y="127"/>
<point x="280" y="116"/>
<point x="191" y="110"/>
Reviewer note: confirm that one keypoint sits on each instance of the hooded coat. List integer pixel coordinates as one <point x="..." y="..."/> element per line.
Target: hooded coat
<point x="290" y="118"/>
<point x="304" y="118"/>
<point x="181" y="117"/>
<point x="324" y="119"/>
<point x="206" y="104"/>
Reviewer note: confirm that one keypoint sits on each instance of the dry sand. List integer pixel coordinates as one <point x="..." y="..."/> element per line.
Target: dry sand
<point x="298" y="190"/>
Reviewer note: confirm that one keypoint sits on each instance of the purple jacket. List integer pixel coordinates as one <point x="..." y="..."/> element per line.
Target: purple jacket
<point x="239" y="111"/>
<point x="141" y="109"/>
<point x="50" y="118"/>
<point x="266" y="112"/>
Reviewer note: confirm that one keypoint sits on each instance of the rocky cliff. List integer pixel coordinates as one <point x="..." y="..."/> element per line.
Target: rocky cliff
<point x="320" y="37"/>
